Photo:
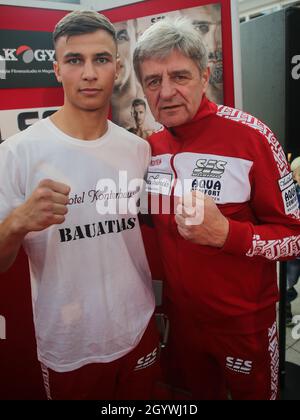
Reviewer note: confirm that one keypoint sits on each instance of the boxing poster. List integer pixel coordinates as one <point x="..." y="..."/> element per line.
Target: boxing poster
<point x="212" y="21"/>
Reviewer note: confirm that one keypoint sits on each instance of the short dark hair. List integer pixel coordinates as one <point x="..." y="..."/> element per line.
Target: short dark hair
<point x="82" y="22"/>
<point x="137" y="102"/>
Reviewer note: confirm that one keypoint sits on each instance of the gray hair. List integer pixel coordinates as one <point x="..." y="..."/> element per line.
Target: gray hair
<point x="82" y="22"/>
<point x="165" y="36"/>
<point x="295" y="164"/>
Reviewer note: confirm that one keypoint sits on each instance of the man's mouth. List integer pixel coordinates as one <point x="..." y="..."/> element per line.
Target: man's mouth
<point x="170" y="107"/>
<point x="89" y="91"/>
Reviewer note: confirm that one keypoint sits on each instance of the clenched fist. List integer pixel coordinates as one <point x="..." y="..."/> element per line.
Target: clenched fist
<point x="45" y="207"/>
<point x="200" y="221"/>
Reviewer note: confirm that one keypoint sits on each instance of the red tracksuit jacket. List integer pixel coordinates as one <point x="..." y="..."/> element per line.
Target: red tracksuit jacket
<point x="234" y="158"/>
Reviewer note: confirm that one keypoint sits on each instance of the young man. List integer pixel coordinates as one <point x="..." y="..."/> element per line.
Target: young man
<point x="219" y="255"/>
<point x="138" y="112"/>
<point x="62" y="183"/>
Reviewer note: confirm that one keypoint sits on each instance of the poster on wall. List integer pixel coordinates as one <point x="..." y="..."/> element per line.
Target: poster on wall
<point x="26" y="59"/>
<point x="129" y="106"/>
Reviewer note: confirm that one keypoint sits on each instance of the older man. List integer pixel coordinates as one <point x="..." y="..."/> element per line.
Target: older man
<point x="221" y="287"/>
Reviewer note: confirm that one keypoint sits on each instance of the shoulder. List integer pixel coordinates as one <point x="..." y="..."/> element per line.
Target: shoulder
<point x="32" y="133"/>
<point x="259" y="136"/>
<point x="158" y="135"/>
<point x="243" y="121"/>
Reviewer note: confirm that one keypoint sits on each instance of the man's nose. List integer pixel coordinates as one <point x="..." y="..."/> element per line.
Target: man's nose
<point x="167" y="89"/>
<point x="89" y="72"/>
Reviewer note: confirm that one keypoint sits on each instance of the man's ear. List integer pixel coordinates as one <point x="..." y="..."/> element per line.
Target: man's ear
<point x="205" y="75"/>
<point x="57" y="71"/>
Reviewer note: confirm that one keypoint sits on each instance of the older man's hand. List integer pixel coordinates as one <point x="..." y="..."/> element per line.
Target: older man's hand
<point x="200" y="221"/>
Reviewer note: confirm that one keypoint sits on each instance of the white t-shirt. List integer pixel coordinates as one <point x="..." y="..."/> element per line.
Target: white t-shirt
<point x="91" y="286"/>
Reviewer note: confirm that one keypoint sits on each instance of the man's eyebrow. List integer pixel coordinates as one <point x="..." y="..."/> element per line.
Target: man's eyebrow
<point x="151" y="76"/>
<point x="72" y="54"/>
<point x="197" y="21"/>
<point x="182" y="72"/>
<point x="100" y="54"/>
<point x="104" y="54"/>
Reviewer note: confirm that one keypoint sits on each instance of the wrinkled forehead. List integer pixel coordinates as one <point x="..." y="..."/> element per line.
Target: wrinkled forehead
<point x="170" y="62"/>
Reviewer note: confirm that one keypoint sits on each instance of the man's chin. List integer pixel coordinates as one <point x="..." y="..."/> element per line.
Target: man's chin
<point x="174" y="120"/>
<point x="173" y="123"/>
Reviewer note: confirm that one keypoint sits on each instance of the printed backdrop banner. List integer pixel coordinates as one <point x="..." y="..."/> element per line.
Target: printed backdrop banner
<point x="213" y="22"/>
<point x="14" y="120"/>
<point x="128" y="94"/>
<point x="26" y="59"/>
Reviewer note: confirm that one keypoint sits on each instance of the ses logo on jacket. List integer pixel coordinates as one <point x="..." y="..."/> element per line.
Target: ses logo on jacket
<point x="209" y="168"/>
<point x="239" y="365"/>
<point x="147" y="360"/>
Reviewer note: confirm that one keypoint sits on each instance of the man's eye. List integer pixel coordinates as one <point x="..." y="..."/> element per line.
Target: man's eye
<point x="102" y="60"/>
<point x="202" y="27"/>
<point x="122" y="35"/>
<point x="179" y="78"/>
<point x="153" y="83"/>
<point x="74" y="60"/>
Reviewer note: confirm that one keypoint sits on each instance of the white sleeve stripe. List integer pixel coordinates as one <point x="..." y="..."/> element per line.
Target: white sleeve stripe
<point x="256" y="124"/>
<point x="278" y="153"/>
<point x="275" y="248"/>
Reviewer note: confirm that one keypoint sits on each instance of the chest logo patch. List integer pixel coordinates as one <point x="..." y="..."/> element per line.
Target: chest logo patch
<point x="209" y="168"/>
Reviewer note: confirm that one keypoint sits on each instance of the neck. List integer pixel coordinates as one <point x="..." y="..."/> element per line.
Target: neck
<point x="81" y="124"/>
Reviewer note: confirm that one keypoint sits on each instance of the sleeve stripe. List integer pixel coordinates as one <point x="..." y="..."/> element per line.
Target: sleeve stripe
<point x="277" y="151"/>
<point x="247" y="119"/>
<point x="276" y="248"/>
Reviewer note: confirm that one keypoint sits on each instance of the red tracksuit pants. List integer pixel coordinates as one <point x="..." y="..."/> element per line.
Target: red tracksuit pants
<point x="212" y="366"/>
<point x="131" y="377"/>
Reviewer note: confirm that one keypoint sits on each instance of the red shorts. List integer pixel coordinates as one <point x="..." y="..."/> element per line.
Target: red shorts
<point x="214" y="366"/>
<point x="131" y="377"/>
